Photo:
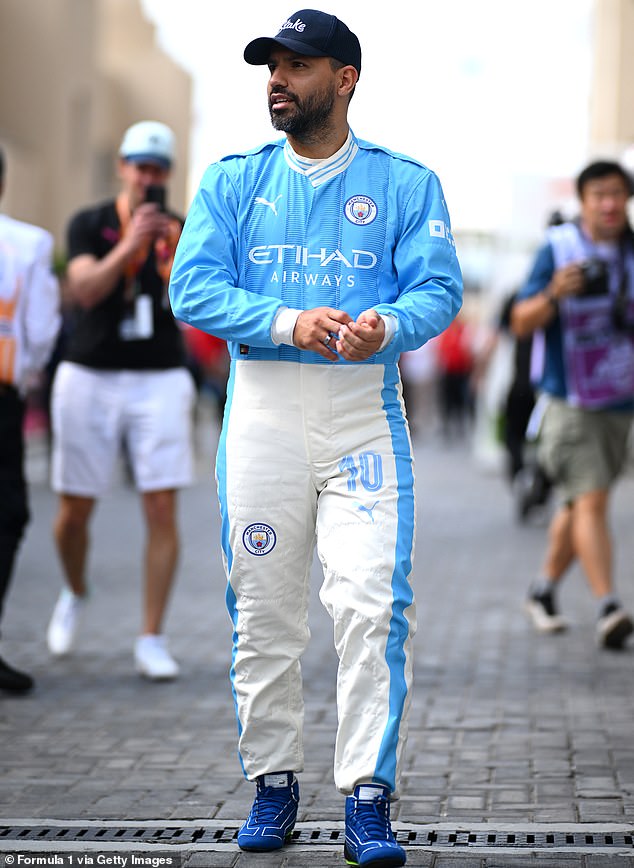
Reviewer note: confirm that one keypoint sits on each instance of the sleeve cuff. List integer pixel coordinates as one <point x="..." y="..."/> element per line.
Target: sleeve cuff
<point x="283" y="325"/>
<point x="390" y="329"/>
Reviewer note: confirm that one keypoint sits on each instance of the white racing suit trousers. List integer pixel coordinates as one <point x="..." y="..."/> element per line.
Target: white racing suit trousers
<point x="319" y="452"/>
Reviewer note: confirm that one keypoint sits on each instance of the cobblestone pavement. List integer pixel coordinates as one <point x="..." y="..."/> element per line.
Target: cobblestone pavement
<point x="512" y="734"/>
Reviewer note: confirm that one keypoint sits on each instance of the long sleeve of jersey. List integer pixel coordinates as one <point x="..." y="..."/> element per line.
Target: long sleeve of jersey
<point x="261" y="235"/>
<point x="30" y="294"/>
<point x="42" y="318"/>
<point x="426" y="268"/>
<point x="204" y="286"/>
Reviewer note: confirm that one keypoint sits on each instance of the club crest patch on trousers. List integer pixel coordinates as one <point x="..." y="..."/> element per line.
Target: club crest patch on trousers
<point x="259" y="539"/>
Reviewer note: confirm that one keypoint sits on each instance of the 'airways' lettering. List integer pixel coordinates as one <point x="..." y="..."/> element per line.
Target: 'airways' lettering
<point x="278" y="254"/>
<point x="297" y="278"/>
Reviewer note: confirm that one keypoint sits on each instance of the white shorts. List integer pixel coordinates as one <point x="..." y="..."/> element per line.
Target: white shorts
<point x="94" y="412"/>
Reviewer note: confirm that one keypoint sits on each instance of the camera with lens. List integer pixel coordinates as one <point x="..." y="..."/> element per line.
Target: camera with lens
<point x="595" y="277"/>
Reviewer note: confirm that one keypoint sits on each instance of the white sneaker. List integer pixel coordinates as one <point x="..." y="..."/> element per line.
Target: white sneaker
<point x="153" y="659"/>
<point x="62" y="628"/>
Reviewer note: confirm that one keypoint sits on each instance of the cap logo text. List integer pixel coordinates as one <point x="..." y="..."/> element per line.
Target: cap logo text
<point x="294" y="25"/>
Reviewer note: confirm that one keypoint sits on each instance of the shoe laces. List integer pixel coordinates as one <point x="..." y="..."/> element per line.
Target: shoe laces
<point x="268" y="803"/>
<point x="374" y="817"/>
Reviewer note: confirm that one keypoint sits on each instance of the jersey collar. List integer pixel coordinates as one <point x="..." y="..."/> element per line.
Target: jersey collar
<point x="319" y="171"/>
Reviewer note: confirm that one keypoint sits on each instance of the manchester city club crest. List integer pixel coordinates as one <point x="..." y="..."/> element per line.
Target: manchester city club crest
<point x="360" y="210"/>
<point x="259" y="539"/>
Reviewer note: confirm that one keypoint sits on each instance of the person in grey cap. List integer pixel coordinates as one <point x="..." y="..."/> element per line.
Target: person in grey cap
<point x="319" y="258"/>
<point x="123" y="379"/>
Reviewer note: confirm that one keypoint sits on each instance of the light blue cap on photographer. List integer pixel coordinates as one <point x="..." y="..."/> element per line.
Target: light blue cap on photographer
<point x="148" y="142"/>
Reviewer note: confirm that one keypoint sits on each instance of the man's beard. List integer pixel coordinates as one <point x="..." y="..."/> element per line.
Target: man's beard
<point x="309" y="117"/>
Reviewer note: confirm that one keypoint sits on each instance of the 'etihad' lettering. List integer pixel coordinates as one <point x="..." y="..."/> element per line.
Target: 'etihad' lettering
<point x="278" y="254"/>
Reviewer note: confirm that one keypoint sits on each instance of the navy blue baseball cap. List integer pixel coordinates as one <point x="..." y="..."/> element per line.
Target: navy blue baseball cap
<point x="309" y="32"/>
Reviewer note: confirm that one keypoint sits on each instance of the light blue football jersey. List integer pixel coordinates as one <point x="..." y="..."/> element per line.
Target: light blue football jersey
<point x="367" y="228"/>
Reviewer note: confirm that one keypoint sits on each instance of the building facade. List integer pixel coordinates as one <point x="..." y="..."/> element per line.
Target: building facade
<point x="611" y="105"/>
<point x="74" y="74"/>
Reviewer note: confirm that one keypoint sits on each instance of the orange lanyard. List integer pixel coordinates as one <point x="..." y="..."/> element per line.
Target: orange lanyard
<point x="8" y="330"/>
<point x="164" y="248"/>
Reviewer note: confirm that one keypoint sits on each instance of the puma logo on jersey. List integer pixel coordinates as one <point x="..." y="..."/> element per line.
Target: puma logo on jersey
<point x="260" y="200"/>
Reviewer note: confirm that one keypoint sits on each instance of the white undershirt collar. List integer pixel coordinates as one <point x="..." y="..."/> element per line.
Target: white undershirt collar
<point x="318" y="171"/>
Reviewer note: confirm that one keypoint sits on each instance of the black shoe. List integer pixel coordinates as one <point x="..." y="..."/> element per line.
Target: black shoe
<point x="13" y="681"/>
<point x="541" y="609"/>
<point x="614" y="626"/>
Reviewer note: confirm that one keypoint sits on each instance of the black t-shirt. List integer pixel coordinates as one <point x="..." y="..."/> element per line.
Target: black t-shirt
<point x="98" y="336"/>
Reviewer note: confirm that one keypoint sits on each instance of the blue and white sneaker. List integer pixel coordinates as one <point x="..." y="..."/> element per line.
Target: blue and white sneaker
<point x="369" y="836"/>
<point x="270" y="824"/>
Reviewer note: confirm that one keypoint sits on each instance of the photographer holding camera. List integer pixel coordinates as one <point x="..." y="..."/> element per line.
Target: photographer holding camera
<point x="581" y="294"/>
<point x="123" y="380"/>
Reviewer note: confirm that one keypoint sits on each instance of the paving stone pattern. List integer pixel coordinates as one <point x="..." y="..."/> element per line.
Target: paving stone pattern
<point x="507" y="727"/>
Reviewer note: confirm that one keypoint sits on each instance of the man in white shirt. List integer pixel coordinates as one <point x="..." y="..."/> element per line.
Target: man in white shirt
<point x="29" y="324"/>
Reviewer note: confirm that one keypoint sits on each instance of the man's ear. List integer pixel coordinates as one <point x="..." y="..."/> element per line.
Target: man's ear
<point x="348" y="79"/>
